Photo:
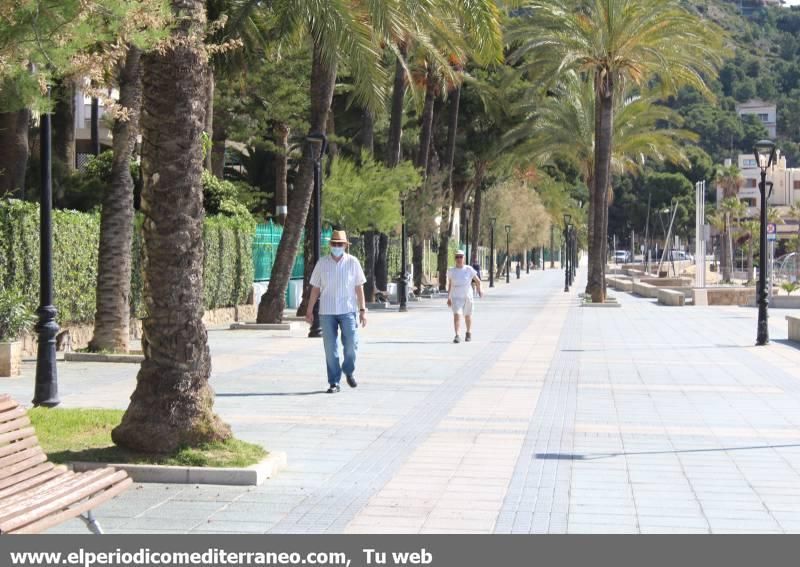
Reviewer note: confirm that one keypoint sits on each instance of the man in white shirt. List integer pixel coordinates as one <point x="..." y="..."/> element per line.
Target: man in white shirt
<point x="459" y="294"/>
<point x="338" y="282"/>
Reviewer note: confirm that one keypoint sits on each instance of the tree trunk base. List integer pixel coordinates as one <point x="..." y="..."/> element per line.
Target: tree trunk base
<point x="162" y="420"/>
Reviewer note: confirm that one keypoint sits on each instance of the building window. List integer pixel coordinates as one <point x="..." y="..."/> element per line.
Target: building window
<point x="797" y="184"/>
<point x="748" y="163"/>
<point x="750" y="182"/>
<point x="763" y="117"/>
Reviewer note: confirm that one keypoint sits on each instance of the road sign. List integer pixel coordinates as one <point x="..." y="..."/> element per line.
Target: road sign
<point x="772" y="231"/>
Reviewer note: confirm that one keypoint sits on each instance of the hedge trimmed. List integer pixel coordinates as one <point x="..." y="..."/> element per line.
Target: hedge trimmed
<point x="228" y="267"/>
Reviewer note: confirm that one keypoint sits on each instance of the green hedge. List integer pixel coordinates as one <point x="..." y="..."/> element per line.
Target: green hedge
<point x="228" y="268"/>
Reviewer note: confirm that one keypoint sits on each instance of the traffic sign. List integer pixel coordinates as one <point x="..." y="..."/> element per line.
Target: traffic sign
<point x="772" y="231"/>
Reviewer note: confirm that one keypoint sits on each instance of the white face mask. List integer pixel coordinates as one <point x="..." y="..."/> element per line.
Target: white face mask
<point x="337" y="252"/>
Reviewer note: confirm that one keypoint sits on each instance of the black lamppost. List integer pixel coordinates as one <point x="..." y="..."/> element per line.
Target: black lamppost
<point x="528" y="256"/>
<point x="765" y="156"/>
<point x="46" y="388"/>
<point x="94" y="126"/>
<point x="492" y="222"/>
<point x="401" y="283"/>
<point x="552" y="247"/>
<point x="466" y="208"/>
<point x="319" y="141"/>
<point x="567" y="218"/>
<point x="574" y="262"/>
<point x="508" y="257"/>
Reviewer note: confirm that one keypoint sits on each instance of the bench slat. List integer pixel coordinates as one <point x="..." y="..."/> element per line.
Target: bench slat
<point x="32" y="478"/>
<point x="21" y="466"/>
<point x="17" y="446"/>
<point x="15" y="435"/>
<point x="10" y="417"/>
<point x="20" y="456"/>
<point x="9" y="481"/>
<point x="73" y="511"/>
<point x="7" y="403"/>
<point x="41" y="491"/>
<point x="40" y="510"/>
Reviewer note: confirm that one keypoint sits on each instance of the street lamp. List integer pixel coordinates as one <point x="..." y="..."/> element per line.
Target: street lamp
<point x="567" y="219"/>
<point x="764" y="151"/>
<point x="46" y="386"/>
<point x="320" y="141"/>
<point x="466" y="208"/>
<point x="492" y="222"/>
<point x="508" y="257"/>
<point x="402" y="291"/>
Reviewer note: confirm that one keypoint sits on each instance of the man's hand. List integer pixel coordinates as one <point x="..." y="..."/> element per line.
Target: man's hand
<point x="362" y="317"/>
<point x="310" y="315"/>
<point x="449" y="301"/>
<point x="480" y="293"/>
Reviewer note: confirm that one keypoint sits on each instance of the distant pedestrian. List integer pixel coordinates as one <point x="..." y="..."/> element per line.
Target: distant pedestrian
<point x="459" y="295"/>
<point x="338" y="282"/>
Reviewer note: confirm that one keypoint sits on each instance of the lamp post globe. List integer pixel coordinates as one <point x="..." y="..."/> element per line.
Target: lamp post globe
<point x="764" y="152"/>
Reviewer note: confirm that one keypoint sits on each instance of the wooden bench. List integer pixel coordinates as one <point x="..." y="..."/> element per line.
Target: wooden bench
<point x="35" y="494"/>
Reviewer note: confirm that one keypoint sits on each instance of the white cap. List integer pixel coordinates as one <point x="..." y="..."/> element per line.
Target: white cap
<point x="460" y="253"/>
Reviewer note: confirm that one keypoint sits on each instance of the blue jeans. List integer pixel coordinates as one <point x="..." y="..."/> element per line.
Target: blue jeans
<point x="330" y="337"/>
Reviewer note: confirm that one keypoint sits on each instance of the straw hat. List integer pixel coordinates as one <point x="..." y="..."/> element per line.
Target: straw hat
<point x="339" y="237"/>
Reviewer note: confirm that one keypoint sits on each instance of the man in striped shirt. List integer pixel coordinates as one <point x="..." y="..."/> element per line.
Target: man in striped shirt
<point x="338" y="282"/>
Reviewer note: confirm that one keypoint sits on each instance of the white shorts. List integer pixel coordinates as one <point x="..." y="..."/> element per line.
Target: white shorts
<point x="462" y="306"/>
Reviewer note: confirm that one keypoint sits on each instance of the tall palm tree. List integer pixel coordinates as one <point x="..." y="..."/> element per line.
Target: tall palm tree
<point x="562" y="126"/>
<point x="730" y="180"/>
<point x="172" y="404"/>
<point x="112" y="315"/>
<point x="615" y="42"/>
<point x="339" y="32"/>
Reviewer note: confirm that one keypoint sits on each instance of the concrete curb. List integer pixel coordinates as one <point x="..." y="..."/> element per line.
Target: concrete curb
<point x="100" y="357"/>
<point x="264" y="326"/>
<point x="249" y="476"/>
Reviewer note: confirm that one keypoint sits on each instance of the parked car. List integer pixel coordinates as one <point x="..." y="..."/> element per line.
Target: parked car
<point x="622" y="257"/>
<point x="680" y="255"/>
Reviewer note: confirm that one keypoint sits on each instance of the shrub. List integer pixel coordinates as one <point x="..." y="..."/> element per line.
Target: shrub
<point x="15" y="316"/>
<point x="789" y="287"/>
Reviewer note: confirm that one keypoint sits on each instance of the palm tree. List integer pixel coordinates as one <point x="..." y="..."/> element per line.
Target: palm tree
<point x="112" y="316"/>
<point x="338" y="32"/>
<point x="172" y="404"/>
<point x="615" y="42"/>
<point x="730" y="180"/>
<point x="562" y="126"/>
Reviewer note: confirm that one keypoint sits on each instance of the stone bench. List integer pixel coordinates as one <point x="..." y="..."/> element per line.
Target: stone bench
<point x="671" y="297"/>
<point x="620" y="284"/>
<point x="645" y="290"/>
<point x="667" y="282"/>
<point x="794" y="327"/>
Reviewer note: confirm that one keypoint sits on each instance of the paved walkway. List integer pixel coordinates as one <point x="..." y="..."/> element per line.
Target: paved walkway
<point x="556" y="418"/>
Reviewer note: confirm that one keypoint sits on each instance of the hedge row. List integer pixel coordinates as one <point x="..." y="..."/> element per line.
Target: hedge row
<point x="228" y="267"/>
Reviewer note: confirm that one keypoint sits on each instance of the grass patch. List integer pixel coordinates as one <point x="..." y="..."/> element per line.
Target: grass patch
<point x="85" y="435"/>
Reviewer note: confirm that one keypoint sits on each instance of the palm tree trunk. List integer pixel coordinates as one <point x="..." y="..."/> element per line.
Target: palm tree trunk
<point x="64" y="123"/>
<point x="281" y="168"/>
<point x="393" y="146"/>
<point x="446" y="228"/>
<point x="209" y="127"/>
<point x="308" y="263"/>
<point x="589" y="224"/>
<point x="476" y="224"/>
<point x="273" y="302"/>
<point x="367" y="134"/>
<point x="382" y="262"/>
<point x="112" y="317"/>
<point x="370" y="253"/>
<point x="172" y="405"/>
<point x="603" y="145"/>
<point x="423" y="153"/>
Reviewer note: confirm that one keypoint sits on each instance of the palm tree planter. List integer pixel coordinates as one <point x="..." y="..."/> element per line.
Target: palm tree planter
<point x="15" y="319"/>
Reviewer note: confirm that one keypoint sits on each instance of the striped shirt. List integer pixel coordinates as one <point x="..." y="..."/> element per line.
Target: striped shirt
<point x="337" y="282"/>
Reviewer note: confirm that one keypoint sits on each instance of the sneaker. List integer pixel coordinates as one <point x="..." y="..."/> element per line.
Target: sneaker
<point x="333" y="389"/>
<point x="457" y="339"/>
<point x="351" y="382"/>
<point x="468" y="337"/>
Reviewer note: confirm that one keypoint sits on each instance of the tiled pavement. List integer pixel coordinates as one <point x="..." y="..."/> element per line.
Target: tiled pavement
<point x="557" y="418"/>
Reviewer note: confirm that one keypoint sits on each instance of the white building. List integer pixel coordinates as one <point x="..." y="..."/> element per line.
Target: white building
<point x="766" y="112"/>
<point x="785" y="190"/>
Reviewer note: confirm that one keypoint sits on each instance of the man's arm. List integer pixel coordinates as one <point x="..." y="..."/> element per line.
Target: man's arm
<point x="449" y="289"/>
<point x="362" y="305"/>
<point x="312" y="300"/>
<point x="477" y="281"/>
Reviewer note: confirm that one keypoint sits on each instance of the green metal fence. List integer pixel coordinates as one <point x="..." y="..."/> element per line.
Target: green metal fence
<point x="265" y="246"/>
